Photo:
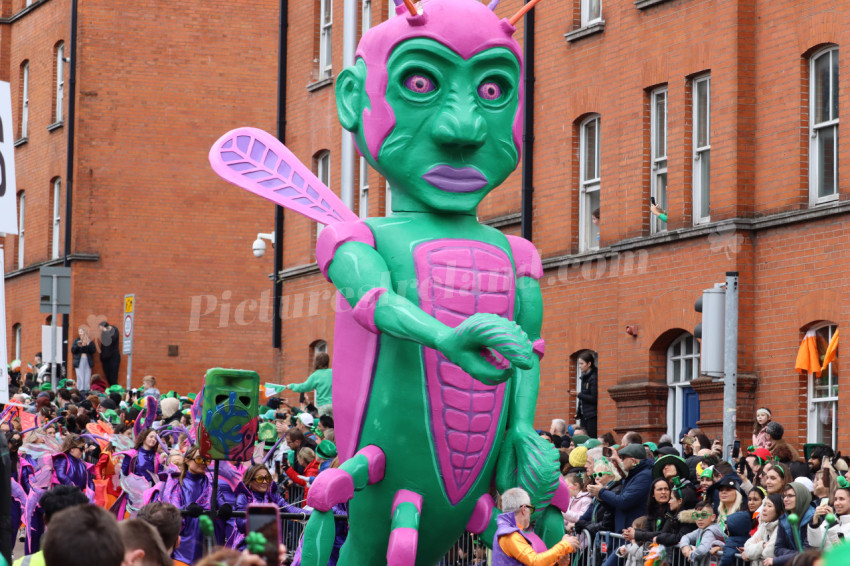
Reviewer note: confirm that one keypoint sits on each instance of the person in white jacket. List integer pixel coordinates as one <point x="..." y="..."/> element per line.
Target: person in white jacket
<point x="759" y="547"/>
<point x="840" y="507"/>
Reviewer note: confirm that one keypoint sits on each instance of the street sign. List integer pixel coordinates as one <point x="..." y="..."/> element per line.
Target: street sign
<point x="47" y="342"/>
<point x="63" y="289"/>
<point x="129" y="310"/>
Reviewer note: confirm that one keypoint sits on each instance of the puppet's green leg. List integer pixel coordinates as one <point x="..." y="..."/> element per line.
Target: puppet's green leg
<point x="404" y="529"/>
<point x="550" y="526"/>
<point x="334" y="486"/>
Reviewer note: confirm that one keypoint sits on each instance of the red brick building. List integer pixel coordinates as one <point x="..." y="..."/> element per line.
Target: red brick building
<point x="725" y="112"/>
<point x="157" y="84"/>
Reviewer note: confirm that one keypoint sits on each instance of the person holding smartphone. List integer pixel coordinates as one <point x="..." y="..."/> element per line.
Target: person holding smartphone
<point x="588" y="394"/>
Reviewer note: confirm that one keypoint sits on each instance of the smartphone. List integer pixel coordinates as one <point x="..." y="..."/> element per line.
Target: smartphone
<point x="652" y="201"/>
<point x="736" y="449"/>
<point x="607" y="451"/>
<point x="265" y="519"/>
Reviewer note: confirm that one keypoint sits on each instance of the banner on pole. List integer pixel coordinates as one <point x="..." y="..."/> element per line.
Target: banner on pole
<point x="8" y="192"/>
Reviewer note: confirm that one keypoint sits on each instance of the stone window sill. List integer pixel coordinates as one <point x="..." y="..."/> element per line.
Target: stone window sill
<point x="55" y="125"/>
<point x="313" y="87"/>
<point x="590" y="29"/>
<point x="644" y="4"/>
<point x="21" y="141"/>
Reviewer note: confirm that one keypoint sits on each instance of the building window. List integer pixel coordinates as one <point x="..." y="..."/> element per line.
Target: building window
<point x="591" y="12"/>
<point x="57" y="218"/>
<point x="365" y="16"/>
<point x="702" y="149"/>
<point x="25" y="99"/>
<point x="323" y="172"/>
<point x="391" y="13"/>
<point x="21" y="215"/>
<point x="682" y="400"/>
<point x="823" y="393"/>
<point x="658" y="155"/>
<point x="578" y="370"/>
<point x="364" y="188"/>
<point x="589" y="213"/>
<point x="60" y="82"/>
<point x="823" y="151"/>
<point x="325" y="45"/>
<point x="17" y="332"/>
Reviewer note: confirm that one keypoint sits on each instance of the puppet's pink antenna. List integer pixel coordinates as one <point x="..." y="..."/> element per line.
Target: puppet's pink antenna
<point x="515" y="18"/>
<point x="492" y="5"/>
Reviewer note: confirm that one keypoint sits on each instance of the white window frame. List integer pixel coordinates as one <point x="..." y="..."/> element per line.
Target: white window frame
<point x="658" y="157"/>
<point x="323" y="172"/>
<point x="813" y="433"/>
<point x="363" y="203"/>
<point x="365" y="16"/>
<point x="591" y="12"/>
<point x="57" y="217"/>
<point x="18" y="340"/>
<point x="25" y="100"/>
<point x="60" y="82"/>
<point x="22" y="203"/>
<point x="815" y="129"/>
<point x="325" y="38"/>
<point x="589" y="182"/>
<point x="701" y="152"/>
<point x="675" y="385"/>
<point x="391" y="13"/>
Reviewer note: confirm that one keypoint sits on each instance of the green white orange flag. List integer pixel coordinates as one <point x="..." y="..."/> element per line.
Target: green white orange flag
<point x="831" y="350"/>
<point x="808" y="360"/>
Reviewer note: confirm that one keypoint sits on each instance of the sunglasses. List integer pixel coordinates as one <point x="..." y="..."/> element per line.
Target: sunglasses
<point x="600" y="474"/>
<point x="262" y="479"/>
<point x="201" y="461"/>
<point x="531" y="508"/>
<point x="703" y="515"/>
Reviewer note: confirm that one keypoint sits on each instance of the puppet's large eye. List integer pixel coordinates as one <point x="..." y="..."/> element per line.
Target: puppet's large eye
<point x="490" y="90"/>
<point x="418" y="83"/>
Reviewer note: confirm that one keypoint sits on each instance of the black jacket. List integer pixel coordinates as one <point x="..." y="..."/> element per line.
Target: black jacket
<point x="587" y="395"/>
<point x="78" y="351"/>
<point x="675" y="527"/>
<point x="110" y="344"/>
<point x="652" y="524"/>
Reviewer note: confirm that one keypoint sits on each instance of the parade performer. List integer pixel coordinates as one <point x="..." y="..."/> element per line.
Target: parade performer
<point x="68" y="466"/>
<point x="256" y="487"/>
<point x="437" y="341"/>
<point x="190" y="489"/>
<point x="143" y="460"/>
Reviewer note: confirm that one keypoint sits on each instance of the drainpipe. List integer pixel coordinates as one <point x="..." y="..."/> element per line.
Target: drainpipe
<point x="69" y="168"/>
<point x="528" y="128"/>
<point x="349" y="45"/>
<point x="281" y="135"/>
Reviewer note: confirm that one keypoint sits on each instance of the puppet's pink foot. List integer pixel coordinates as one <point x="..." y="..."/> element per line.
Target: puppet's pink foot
<point x="481" y="514"/>
<point x="337" y="485"/>
<point x="561" y="497"/>
<point x="404" y="536"/>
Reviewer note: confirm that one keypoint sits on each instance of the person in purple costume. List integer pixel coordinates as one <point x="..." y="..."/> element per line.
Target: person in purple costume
<point x="257" y="487"/>
<point x="145" y="461"/>
<point x="512" y="545"/>
<point x="69" y="466"/>
<point x="190" y="489"/>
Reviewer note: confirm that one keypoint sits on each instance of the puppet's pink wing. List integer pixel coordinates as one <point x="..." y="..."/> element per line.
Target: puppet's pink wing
<point x="258" y="162"/>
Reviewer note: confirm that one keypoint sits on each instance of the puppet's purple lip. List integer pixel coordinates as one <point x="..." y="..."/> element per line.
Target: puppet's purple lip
<point x="464" y="180"/>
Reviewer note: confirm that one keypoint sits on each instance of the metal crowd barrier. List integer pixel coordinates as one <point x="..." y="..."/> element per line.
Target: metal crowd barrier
<point x="605" y="543"/>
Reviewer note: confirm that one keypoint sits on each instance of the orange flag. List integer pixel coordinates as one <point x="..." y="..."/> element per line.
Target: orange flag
<point x="808" y="360"/>
<point x="831" y="350"/>
<point x="27" y="421"/>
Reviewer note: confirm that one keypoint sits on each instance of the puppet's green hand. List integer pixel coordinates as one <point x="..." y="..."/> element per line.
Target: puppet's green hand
<point x="530" y="462"/>
<point x="487" y="347"/>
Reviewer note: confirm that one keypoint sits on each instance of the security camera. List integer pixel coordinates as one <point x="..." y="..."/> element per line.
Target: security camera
<point x="259" y="247"/>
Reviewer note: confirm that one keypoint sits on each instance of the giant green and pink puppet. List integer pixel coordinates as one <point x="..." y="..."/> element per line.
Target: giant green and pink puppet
<point x="437" y="343"/>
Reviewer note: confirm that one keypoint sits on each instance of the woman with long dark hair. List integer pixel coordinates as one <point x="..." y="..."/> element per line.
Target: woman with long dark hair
<point x="143" y="460"/>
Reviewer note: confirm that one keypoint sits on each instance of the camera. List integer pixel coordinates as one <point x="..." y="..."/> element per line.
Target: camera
<point x="259" y="247"/>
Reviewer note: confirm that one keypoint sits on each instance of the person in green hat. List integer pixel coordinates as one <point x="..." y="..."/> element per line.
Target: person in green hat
<point x="325" y="452"/>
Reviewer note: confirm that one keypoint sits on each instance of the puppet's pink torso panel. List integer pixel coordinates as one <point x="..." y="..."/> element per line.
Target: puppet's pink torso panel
<point x="458" y="278"/>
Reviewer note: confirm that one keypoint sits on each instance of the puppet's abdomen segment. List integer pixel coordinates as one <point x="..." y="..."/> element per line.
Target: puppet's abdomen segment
<point x="456" y="279"/>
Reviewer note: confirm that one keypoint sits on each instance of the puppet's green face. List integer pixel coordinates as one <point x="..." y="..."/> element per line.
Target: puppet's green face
<point x="453" y="137"/>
